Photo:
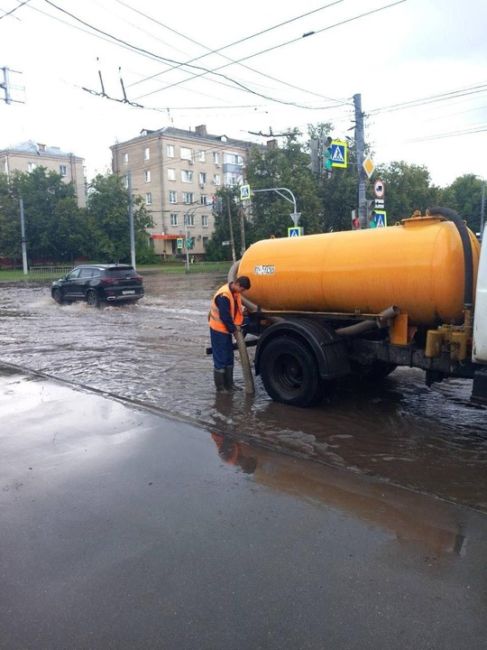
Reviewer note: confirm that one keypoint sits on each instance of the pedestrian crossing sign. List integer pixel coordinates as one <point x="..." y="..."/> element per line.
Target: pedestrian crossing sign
<point x="295" y="231"/>
<point x="245" y="193"/>
<point x="339" y="154"/>
<point x="380" y="218"/>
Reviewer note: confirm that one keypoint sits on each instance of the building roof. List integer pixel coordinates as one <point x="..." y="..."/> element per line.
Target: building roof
<point x="31" y="147"/>
<point x="171" y="131"/>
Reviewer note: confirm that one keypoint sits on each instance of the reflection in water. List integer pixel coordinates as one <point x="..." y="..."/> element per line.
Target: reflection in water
<point x="411" y="517"/>
<point x="431" y="440"/>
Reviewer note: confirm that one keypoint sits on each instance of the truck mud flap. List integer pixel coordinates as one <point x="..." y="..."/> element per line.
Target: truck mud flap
<point x="479" y="390"/>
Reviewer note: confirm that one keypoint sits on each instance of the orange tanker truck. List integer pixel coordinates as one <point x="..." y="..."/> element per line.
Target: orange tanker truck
<point x="365" y="302"/>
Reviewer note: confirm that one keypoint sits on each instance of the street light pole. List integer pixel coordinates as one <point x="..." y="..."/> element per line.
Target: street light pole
<point x="23" y="241"/>
<point x="131" y="219"/>
<point x="279" y="190"/>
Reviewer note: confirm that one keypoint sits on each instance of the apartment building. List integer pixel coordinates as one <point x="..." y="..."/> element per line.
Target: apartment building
<point x="27" y="156"/>
<point x="178" y="172"/>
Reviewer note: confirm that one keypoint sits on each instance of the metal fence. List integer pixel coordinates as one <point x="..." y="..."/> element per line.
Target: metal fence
<point x="49" y="270"/>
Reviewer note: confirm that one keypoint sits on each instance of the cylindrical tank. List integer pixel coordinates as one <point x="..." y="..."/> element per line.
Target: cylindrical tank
<point x="417" y="266"/>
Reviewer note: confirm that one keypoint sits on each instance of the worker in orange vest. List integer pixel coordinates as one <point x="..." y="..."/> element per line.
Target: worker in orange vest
<point x="225" y="318"/>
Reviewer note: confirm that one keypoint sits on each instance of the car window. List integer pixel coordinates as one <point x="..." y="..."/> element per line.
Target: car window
<point x="121" y="273"/>
<point x="86" y="273"/>
<point x="74" y="274"/>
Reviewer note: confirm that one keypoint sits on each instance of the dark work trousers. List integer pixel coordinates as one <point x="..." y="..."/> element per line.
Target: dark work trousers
<point x="222" y="349"/>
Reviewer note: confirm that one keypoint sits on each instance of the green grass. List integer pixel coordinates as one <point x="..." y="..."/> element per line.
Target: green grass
<point x="17" y="275"/>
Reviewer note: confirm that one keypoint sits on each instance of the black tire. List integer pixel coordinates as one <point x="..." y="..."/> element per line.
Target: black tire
<point x="57" y="295"/>
<point x="92" y="298"/>
<point x="289" y="372"/>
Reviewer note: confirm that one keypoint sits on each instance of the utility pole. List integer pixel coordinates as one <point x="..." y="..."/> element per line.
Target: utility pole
<point x="131" y="219"/>
<point x="23" y="240"/>
<point x="230" y="226"/>
<point x="360" y="147"/>
<point x="241" y="213"/>
<point x="7" y="87"/>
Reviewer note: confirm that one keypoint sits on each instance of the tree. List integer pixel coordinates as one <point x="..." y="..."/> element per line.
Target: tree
<point x="108" y="223"/>
<point x="288" y="167"/>
<point x="407" y="188"/>
<point x="54" y="224"/>
<point x="10" y="236"/>
<point x="465" y="196"/>
<point x="227" y="199"/>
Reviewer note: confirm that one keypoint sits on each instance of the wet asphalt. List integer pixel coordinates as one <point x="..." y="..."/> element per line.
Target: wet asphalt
<point x="124" y="528"/>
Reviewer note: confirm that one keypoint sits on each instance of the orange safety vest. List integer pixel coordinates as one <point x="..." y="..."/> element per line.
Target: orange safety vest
<point x="236" y="309"/>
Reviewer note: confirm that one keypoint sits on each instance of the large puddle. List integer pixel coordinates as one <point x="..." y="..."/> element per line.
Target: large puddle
<point x="432" y="440"/>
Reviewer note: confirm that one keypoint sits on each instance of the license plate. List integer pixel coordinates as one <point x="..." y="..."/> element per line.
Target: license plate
<point x="128" y="291"/>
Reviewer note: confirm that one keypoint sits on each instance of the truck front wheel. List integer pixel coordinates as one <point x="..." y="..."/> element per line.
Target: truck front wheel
<point x="289" y="372"/>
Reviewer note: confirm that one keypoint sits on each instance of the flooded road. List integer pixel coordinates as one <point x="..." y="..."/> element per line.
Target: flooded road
<point x="431" y="440"/>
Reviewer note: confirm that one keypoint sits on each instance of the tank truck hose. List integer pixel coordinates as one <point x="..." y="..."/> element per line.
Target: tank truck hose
<point x="467" y="250"/>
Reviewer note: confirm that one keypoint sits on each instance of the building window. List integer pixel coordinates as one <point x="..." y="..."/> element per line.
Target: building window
<point x="189" y="219"/>
<point x="125" y="159"/>
<point x="186" y="176"/>
<point x="171" y="174"/>
<point x="173" y="197"/>
<point x="233" y="159"/>
<point x="63" y="170"/>
<point x="125" y="182"/>
<point x="216" y="157"/>
<point x="205" y="242"/>
<point x="148" y="198"/>
<point x="201" y="156"/>
<point x="187" y="197"/>
<point x="216" y="179"/>
<point x="170" y="150"/>
<point x="147" y="153"/>
<point x="202" y="178"/>
<point x="147" y="175"/>
<point x="204" y="220"/>
<point x="174" y="219"/>
<point x="232" y="179"/>
<point x="204" y="199"/>
<point x="31" y="166"/>
<point x="186" y="154"/>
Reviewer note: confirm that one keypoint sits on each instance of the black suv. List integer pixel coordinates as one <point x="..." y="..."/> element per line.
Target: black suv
<point x="99" y="283"/>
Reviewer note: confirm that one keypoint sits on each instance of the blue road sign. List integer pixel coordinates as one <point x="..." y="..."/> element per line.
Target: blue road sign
<point x="339" y="153"/>
<point x="380" y="218"/>
<point x="296" y="231"/>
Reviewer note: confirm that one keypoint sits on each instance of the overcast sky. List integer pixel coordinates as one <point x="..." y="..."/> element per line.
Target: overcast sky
<point x="415" y="50"/>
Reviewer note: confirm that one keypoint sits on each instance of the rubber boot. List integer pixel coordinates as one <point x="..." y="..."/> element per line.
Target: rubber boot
<point x="219" y="377"/>
<point x="229" y="385"/>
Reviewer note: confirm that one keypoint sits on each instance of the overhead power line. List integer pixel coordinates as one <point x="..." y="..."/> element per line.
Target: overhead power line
<point x="275" y="47"/>
<point x="145" y="52"/>
<point x="9" y="13"/>
<point x="229" y="45"/>
<point x="479" y="128"/>
<point x="431" y="99"/>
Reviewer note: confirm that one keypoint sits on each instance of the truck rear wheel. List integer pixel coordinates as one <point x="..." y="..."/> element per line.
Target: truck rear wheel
<point x="289" y="372"/>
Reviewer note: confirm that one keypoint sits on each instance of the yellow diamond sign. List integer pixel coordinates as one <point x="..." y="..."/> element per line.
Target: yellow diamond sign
<point x="369" y="166"/>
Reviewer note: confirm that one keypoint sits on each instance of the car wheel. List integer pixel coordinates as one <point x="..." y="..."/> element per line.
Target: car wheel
<point x="92" y="298"/>
<point x="290" y="373"/>
<point x="57" y="295"/>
